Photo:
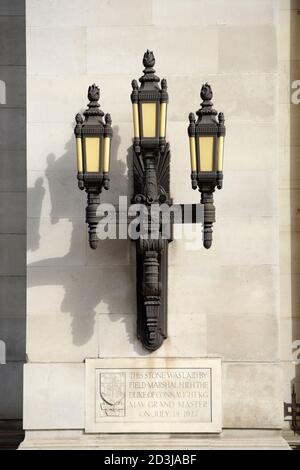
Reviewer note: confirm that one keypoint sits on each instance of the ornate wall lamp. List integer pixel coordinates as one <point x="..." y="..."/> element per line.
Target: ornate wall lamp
<point x="93" y="140"/>
<point x="151" y="165"/>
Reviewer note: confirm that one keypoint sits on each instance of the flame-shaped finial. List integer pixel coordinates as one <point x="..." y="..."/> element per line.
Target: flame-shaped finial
<point x="94" y="93"/>
<point x="206" y="92"/>
<point x="148" y="59"/>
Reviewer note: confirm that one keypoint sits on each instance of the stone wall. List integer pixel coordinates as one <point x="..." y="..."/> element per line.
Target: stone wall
<point x="12" y="205"/>
<point x="223" y="302"/>
<point x="289" y="192"/>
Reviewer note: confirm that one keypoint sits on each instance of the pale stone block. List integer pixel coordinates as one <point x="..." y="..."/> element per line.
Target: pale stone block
<point x="90" y="13"/>
<point x="65" y="101"/>
<point x="258" y="142"/>
<point x="167" y="43"/>
<point x="289" y="171"/>
<point x="52" y="51"/>
<point x="229" y="439"/>
<point x="286" y="294"/>
<point x="285" y="125"/>
<point x="289" y="73"/>
<point x="81" y="291"/>
<point x="59" y="243"/>
<point x="247" y="49"/>
<point x="62" y="337"/>
<point x="255" y="292"/>
<point x="289" y="332"/>
<point x="253" y="243"/>
<point x="12" y="254"/>
<point x="11" y="390"/>
<point x="237" y="103"/>
<point x="289" y="4"/>
<point x="68" y="96"/>
<point x="109" y="252"/>
<point x="116" y="12"/>
<point x="248" y="194"/>
<point x="243" y="338"/>
<point x="54" y="194"/>
<point x="131" y="414"/>
<point x="12" y="40"/>
<point x="221" y="12"/>
<point x="53" y="396"/>
<point x="13" y="333"/>
<point x="290" y="295"/>
<point x="252" y="395"/>
<point x="13" y="170"/>
<point x="289" y="215"/>
<point x="56" y="13"/>
<point x="12" y="296"/>
<point x="13" y="212"/>
<point x="289" y="27"/>
<point x="51" y="141"/>
<point x="117" y="336"/>
<point x="289" y="252"/>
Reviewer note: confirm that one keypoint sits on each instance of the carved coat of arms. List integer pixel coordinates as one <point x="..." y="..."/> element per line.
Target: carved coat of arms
<point x="112" y="391"/>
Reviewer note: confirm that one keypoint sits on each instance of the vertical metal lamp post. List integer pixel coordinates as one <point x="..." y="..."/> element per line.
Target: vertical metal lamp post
<point x="151" y="164"/>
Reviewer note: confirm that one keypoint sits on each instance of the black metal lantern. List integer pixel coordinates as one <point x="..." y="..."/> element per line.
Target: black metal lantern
<point x="93" y="141"/>
<point x="206" y="137"/>
<point x="149" y="105"/>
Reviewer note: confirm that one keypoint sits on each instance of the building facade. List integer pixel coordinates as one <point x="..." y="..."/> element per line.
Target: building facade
<point x="237" y="301"/>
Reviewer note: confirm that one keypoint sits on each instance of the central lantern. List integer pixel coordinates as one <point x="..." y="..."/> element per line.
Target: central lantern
<point x="149" y="104"/>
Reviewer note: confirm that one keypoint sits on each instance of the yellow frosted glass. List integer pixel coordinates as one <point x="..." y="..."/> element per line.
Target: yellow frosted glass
<point x="163" y="120"/>
<point x="220" y="153"/>
<point x="149" y="119"/>
<point x="193" y="153"/>
<point x="136" y="128"/>
<point x="106" y="154"/>
<point x="206" y="146"/>
<point x="92" y="152"/>
<point x="79" y="155"/>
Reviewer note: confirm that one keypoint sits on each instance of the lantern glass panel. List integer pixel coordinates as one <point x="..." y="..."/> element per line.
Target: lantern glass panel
<point x="136" y="120"/>
<point x="220" y="153"/>
<point x="106" y="154"/>
<point x="149" y="119"/>
<point x="163" y="120"/>
<point x="193" y="153"/>
<point x="206" y="148"/>
<point x="92" y="154"/>
<point x="79" y="155"/>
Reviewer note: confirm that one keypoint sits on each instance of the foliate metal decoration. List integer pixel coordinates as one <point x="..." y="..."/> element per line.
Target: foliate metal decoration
<point x="93" y="138"/>
<point x="206" y="152"/>
<point x="151" y="165"/>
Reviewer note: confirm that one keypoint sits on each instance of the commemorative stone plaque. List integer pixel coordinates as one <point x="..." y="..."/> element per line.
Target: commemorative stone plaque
<point x="153" y="395"/>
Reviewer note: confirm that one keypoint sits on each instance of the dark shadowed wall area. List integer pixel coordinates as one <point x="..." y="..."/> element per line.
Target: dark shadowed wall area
<point x="12" y="209"/>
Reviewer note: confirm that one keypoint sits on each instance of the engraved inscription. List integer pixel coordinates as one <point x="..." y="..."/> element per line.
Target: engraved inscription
<point x="154" y="395"/>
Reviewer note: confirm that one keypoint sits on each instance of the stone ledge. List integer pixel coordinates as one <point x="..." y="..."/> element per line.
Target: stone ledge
<point x="228" y="440"/>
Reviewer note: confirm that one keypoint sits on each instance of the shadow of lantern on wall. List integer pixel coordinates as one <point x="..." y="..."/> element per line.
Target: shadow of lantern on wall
<point x="151" y="165"/>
